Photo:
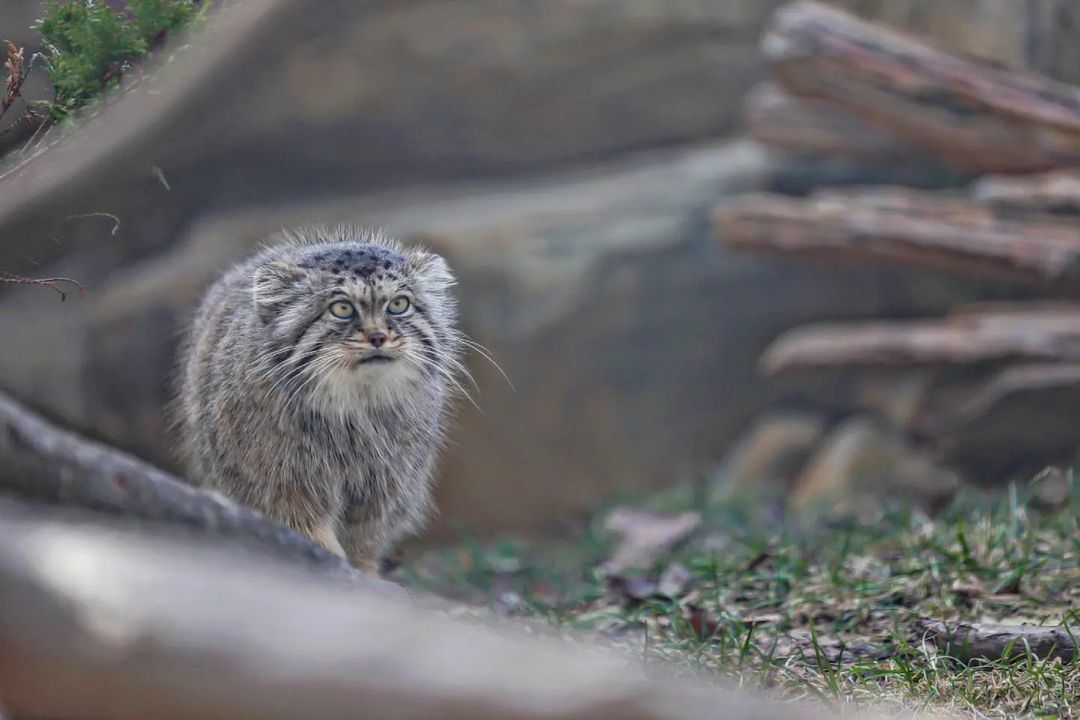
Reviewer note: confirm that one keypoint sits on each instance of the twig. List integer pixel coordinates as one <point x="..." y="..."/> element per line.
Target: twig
<point x="16" y="76"/>
<point x="52" y="283"/>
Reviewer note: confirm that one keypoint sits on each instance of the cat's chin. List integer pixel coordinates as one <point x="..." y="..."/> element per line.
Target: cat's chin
<point x="365" y="384"/>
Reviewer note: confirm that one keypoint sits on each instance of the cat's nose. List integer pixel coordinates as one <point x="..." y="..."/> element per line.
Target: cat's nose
<point x="377" y="339"/>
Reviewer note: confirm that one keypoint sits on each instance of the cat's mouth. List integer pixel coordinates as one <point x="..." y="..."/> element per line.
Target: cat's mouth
<point x="375" y="359"/>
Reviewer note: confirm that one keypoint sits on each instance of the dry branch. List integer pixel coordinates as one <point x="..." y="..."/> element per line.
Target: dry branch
<point x="98" y="626"/>
<point x="971" y="114"/>
<point x="804" y="125"/>
<point x="987" y="641"/>
<point x="42" y="462"/>
<point x="914" y="228"/>
<point x="965" y="339"/>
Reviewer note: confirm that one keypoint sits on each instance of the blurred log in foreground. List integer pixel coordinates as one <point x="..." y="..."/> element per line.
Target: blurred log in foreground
<point x="912" y="227"/>
<point x="973" y="115"/>
<point x="42" y="462"/>
<point x="99" y="626"/>
<point x="964" y="339"/>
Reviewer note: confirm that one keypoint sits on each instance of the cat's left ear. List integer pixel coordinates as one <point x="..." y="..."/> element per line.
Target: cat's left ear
<point x="430" y="268"/>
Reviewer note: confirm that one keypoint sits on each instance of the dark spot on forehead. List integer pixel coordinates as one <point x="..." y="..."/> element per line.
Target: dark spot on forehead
<point x="359" y="262"/>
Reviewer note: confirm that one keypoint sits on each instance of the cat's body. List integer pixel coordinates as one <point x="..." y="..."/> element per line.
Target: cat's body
<point x="314" y="387"/>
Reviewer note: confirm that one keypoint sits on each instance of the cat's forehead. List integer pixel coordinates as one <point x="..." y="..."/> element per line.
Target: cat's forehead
<point x="354" y="261"/>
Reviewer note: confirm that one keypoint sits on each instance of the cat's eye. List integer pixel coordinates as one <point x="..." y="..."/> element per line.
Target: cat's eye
<point x="342" y="310"/>
<point x="398" y="305"/>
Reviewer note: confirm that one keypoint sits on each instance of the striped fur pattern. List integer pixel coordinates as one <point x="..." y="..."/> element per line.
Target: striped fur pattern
<point x="307" y="393"/>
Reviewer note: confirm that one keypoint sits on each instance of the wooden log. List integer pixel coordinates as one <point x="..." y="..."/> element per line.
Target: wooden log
<point x="969" y="113"/>
<point x="775" y="117"/>
<point x="990" y="641"/>
<point x="962" y="340"/>
<point x="98" y="624"/>
<point x="45" y="463"/>
<point x="1055" y="192"/>
<point x="910" y="227"/>
<point x="1021" y="419"/>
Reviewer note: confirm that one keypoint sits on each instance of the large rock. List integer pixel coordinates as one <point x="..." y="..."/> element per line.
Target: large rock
<point x="630" y="338"/>
<point x="106" y="623"/>
<point x="284" y="99"/>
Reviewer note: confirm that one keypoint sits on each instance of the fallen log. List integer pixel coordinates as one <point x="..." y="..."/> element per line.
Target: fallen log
<point x="1056" y="192"/>
<point x="970" y="114"/>
<point x="975" y="339"/>
<point x="45" y="463"/>
<point x="917" y="229"/>
<point x="98" y="625"/>
<point x="1021" y="419"/>
<point x="775" y="117"/>
<point x="988" y="641"/>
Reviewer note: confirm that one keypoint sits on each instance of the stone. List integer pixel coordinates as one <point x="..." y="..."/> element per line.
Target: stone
<point x="283" y="100"/>
<point x="597" y="291"/>
<point x="863" y="462"/>
<point x="578" y="229"/>
<point x="106" y="622"/>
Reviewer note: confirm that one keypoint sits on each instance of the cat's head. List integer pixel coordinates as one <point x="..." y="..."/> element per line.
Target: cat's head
<point x="347" y="312"/>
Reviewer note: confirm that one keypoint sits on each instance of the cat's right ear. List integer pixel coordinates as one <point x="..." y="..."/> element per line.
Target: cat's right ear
<point x="276" y="284"/>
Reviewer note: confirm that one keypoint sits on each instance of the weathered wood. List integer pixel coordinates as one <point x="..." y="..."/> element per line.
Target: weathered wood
<point x="45" y="463"/>
<point x="969" y="113"/>
<point x="102" y="625"/>
<point x="1021" y="419"/>
<point x="1053" y="192"/>
<point x="989" y="641"/>
<point x="960" y="340"/>
<point x="775" y="117"/>
<point x="914" y="228"/>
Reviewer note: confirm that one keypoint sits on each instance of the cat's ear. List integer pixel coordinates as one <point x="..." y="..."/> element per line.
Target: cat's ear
<point x="430" y="269"/>
<point x="276" y="284"/>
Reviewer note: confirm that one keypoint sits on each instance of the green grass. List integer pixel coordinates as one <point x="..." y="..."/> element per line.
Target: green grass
<point x="90" y="46"/>
<point x="829" y="614"/>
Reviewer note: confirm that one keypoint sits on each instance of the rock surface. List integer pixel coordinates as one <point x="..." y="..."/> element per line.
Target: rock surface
<point x="599" y="293"/>
<point x="106" y="624"/>
<point x="631" y="339"/>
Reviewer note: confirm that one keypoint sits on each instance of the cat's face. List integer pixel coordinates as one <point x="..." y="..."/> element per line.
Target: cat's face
<point x="346" y="318"/>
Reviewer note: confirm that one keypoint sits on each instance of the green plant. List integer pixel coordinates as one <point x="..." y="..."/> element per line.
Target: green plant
<point x="89" y="45"/>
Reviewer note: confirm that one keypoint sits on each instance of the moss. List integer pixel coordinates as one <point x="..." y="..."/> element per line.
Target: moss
<point x="90" y="46"/>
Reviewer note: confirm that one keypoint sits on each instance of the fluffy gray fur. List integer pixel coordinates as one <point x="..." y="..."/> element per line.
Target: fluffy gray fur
<point x="289" y="409"/>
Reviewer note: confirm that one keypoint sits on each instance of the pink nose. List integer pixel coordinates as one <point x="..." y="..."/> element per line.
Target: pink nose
<point x="377" y="339"/>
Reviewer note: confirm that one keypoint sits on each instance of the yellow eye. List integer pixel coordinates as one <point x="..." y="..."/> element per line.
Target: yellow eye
<point x="342" y="309"/>
<point x="398" y="305"/>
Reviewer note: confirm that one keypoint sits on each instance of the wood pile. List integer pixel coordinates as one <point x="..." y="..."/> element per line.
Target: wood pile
<point x="991" y="391"/>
